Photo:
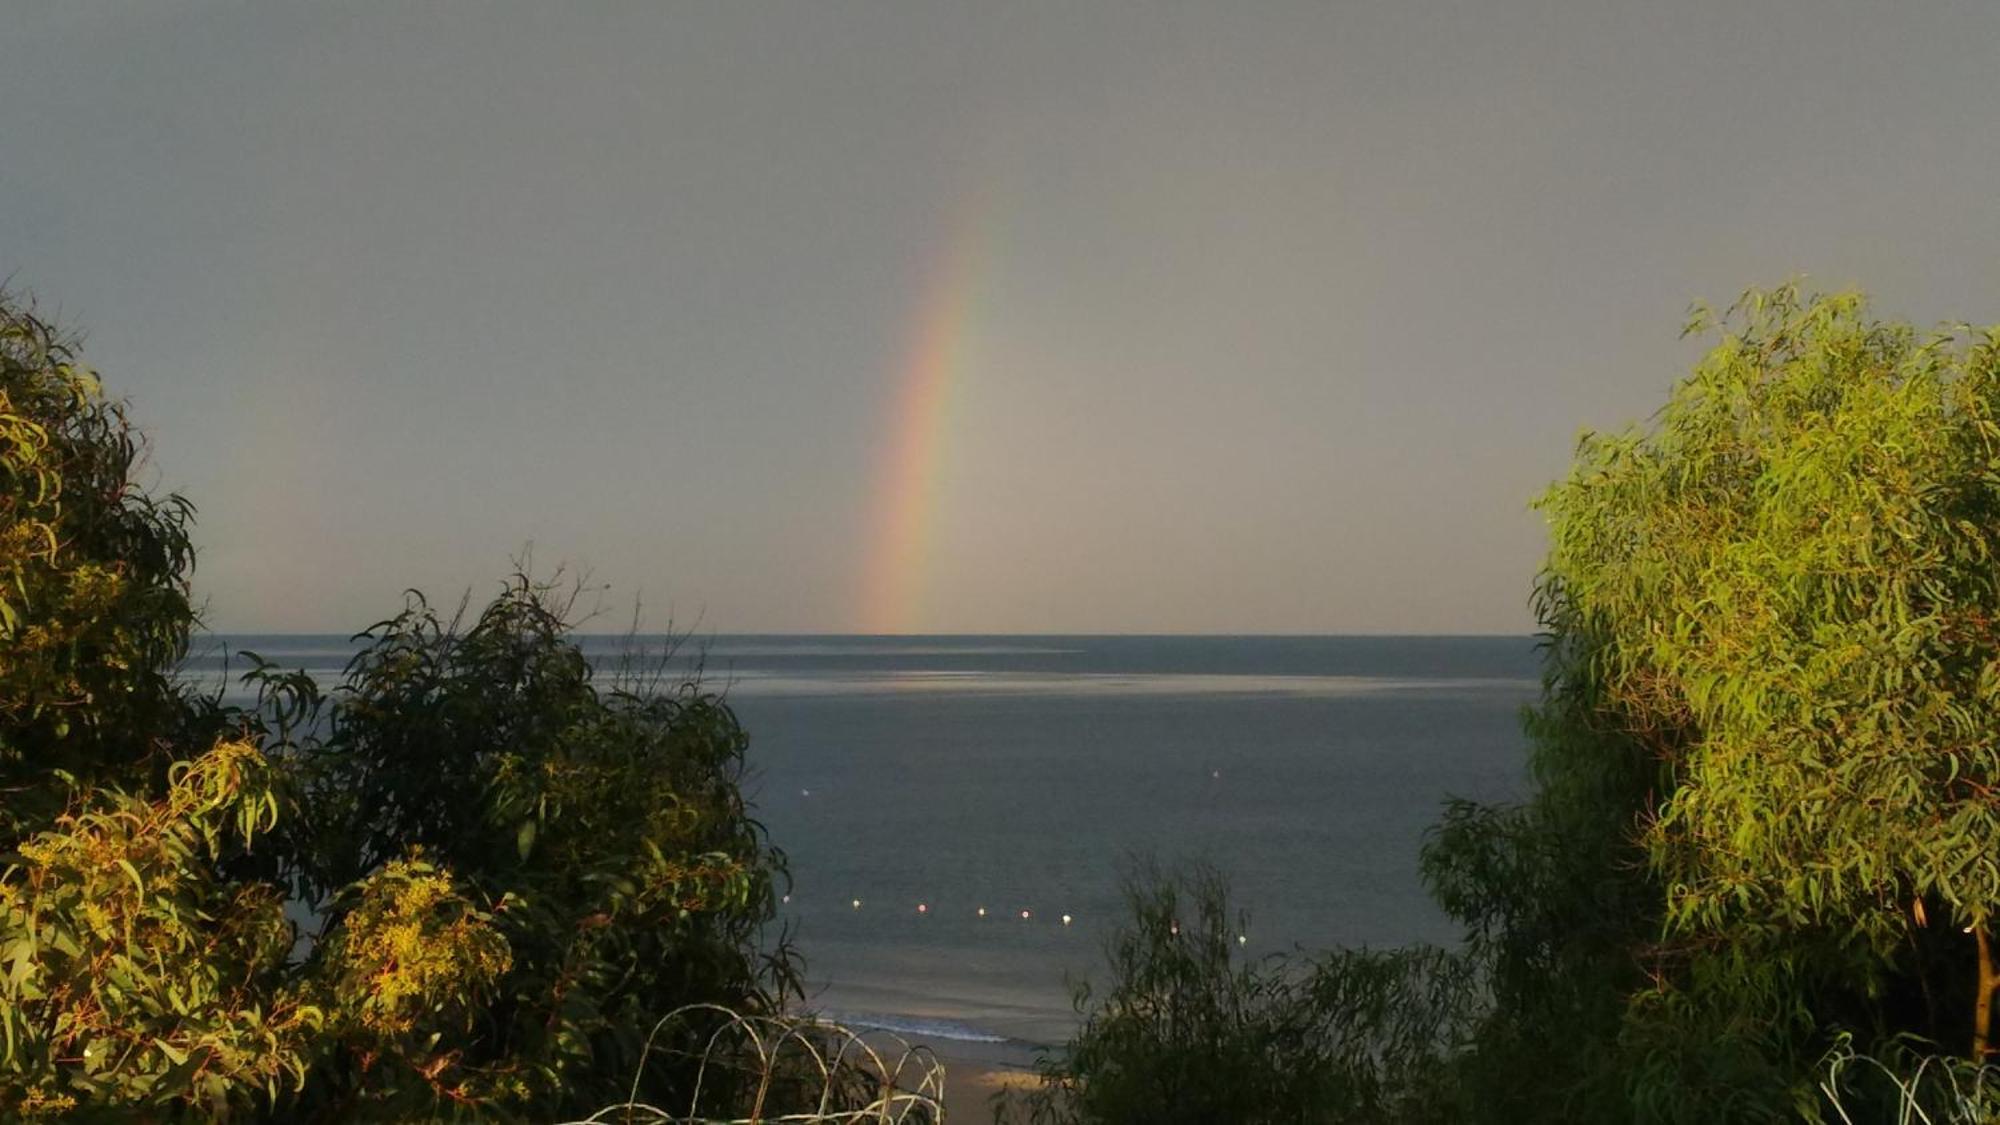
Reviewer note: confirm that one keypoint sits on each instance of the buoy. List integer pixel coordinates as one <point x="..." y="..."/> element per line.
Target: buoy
<point x="982" y="912"/>
<point x="788" y="898"/>
<point x="923" y="908"/>
<point x="857" y="904"/>
<point x="1026" y="914"/>
<point x="1242" y="939"/>
<point x="1065" y="919"/>
<point x="1175" y="928"/>
<point x="805" y="792"/>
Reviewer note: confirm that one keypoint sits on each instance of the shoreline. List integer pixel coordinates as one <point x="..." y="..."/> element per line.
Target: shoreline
<point x="971" y="1083"/>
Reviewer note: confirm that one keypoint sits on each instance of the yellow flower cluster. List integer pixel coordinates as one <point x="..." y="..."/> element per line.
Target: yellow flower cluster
<point x="415" y="944"/>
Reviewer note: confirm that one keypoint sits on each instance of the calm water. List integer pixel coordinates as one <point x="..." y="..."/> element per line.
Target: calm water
<point x="1019" y="773"/>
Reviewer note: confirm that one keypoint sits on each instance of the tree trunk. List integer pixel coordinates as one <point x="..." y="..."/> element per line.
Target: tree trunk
<point x="1982" y="1011"/>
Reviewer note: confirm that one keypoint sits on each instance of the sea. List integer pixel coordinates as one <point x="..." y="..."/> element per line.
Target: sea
<point x="959" y="813"/>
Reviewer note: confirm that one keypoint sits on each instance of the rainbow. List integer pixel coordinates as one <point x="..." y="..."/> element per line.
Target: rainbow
<point x="896" y="575"/>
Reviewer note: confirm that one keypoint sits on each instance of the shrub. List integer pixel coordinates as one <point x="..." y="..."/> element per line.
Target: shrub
<point x="133" y="975"/>
<point x="1191" y="1031"/>
<point x="511" y="871"/>
<point x="601" y="864"/>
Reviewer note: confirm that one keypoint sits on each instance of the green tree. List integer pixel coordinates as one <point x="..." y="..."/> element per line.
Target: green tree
<point x="587" y="864"/>
<point x="139" y="974"/>
<point x="1767" y="771"/>
<point x="513" y="866"/>
<point x="138" y="978"/>
<point x="94" y="608"/>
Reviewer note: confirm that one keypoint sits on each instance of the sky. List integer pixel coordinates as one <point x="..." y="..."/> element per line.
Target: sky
<point x="949" y="317"/>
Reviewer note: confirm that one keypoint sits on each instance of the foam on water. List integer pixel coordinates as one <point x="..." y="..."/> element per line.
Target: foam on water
<point x="918" y="1028"/>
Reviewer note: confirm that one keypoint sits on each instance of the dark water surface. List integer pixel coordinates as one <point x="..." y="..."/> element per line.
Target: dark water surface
<point x="1019" y="773"/>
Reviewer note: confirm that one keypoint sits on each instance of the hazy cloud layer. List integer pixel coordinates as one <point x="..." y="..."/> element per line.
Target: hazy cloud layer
<point x="1287" y="310"/>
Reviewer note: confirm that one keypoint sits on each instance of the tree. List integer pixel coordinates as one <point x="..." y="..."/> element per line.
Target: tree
<point x="137" y="972"/>
<point x="1769" y="790"/>
<point x="580" y="860"/>
<point x="514" y="866"/>
<point x="94" y="609"/>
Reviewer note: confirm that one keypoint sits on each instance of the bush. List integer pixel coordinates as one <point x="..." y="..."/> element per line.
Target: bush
<point x="511" y="871"/>
<point x="585" y="855"/>
<point x="138" y="978"/>
<point x="1191" y="1031"/>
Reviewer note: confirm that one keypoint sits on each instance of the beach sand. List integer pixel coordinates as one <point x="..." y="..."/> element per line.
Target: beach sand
<point x="971" y="1082"/>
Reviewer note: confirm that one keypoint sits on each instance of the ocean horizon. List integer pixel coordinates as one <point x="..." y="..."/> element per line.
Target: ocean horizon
<point x="928" y="790"/>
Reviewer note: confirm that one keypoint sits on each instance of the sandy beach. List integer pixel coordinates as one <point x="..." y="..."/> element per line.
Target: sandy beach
<point x="971" y="1083"/>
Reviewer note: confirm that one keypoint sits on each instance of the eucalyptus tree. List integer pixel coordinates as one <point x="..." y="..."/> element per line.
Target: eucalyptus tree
<point x="576" y="848"/>
<point x="513" y="867"/>
<point x="1769" y="803"/>
<point x="94" y="608"/>
<point x="140" y="973"/>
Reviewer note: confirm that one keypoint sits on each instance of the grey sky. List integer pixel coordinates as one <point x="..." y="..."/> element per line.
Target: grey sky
<point x="1287" y="310"/>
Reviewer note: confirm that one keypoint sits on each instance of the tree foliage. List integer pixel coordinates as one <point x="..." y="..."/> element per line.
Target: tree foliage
<point x="133" y="974"/>
<point x="508" y="866"/>
<point x="577" y="861"/>
<point x="1766" y="813"/>
<point x="94" y="609"/>
<point x="1793" y="585"/>
<point x="1766" y="821"/>
<point x="1765" y="825"/>
<point x="1191" y="1031"/>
